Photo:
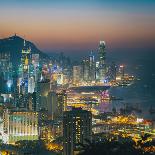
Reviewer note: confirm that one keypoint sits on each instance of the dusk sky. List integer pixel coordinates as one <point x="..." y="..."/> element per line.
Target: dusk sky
<point x="77" y="26"/>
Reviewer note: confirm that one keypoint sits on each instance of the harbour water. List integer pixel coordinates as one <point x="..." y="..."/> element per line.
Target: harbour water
<point x="142" y="93"/>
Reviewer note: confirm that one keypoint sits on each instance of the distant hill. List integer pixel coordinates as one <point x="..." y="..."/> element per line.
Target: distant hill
<point x="14" y="46"/>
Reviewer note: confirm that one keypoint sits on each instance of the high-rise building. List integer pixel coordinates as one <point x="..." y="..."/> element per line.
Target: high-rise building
<point x="97" y="76"/>
<point x="67" y="76"/>
<point x="112" y="71"/>
<point x="85" y="70"/>
<point x="102" y="57"/>
<point x="77" y="126"/>
<point x="91" y="67"/>
<point x="43" y="88"/>
<point x="25" y="64"/>
<point x="2" y="83"/>
<point x="31" y="84"/>
<point x="6" y="72"/>
<point x="52" y="106"/>
<point x="20" y="125"/>
<point x="120" y="73"/>
<point x="76" y="75"/>
<point x="61" y="102"/>
<point x="35" y="71"/>
<point x="32" y="101"/>
<point x="102" y="53"/>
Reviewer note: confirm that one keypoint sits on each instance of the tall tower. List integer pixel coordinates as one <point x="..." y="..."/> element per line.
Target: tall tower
<point x="52" y="106"/>
<point x="77" y="126"/>
<point x="6" y="73"/>
<point x="76" y="75"/>
<point x="25" y="67"/>
<point x="85" y="70"/>
<point x="62" y="102"/>
<point x="91" y="67"/>
<point x="102" y="53"/>
<point x="102" y="65"/>
<point x="23" y="80"/>
<point x="25" y="58"/>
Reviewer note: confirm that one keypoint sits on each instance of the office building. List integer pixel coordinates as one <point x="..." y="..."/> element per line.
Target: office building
<point x="20" y="125"/>
<point x="101" y="53"/>
<point x="52" y="106"/>
<point x="61" y="102"/>
<point x="76" y="75"/>
<point x="6" y="78"/>
<point x="31" y="85"/>
<point x="91" y="67"/>
<point x="102" y="58"/>
<point x="77" y="126"/>
<point x="85" y="70"/>
<point x="42" y="90"/>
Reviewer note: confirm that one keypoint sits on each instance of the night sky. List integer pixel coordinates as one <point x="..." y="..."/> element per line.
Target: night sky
<point x="77" y="26"/>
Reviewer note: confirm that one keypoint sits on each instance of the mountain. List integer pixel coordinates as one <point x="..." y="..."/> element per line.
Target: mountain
<point x="14" y="46"/>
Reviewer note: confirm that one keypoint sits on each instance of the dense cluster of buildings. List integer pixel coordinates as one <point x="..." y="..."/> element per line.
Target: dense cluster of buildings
<point x="35" y="102"/>
<point x="92" y="70"/>
<point x="33" y="98"/>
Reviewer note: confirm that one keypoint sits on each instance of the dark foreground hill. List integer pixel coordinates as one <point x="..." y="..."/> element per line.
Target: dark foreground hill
<point x="14" y="46"/>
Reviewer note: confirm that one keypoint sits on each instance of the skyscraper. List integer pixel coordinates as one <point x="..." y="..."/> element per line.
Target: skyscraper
<point x="113" y="69"/>
<point x="61" y="102"/>
<point x="76" y="75"/>
<point x="85" y="70"/>
<point x="31" y="84"/>
<point x="77" y="126"/>
<point x="25" y="63"/>
<point x="6" y="72"/>
<point x="120" y="73"/>
<point x="102" y="57"/>
<point x="52" y="106"/>
<point x="35" y="63"/>
<point x="91" y="67"/>
<point x="102" y="53"/>
<point x="43" y="87"/>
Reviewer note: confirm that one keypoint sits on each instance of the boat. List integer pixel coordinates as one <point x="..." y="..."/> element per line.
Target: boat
<point x="115" y="98"/>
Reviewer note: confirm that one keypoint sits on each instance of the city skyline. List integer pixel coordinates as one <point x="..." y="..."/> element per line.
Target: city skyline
<point x="77" y="77"/>
<point x="76" y="27"/>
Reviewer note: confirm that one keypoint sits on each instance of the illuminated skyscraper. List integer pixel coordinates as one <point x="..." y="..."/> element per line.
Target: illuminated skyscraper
<point x="25" y="57"/>
<point x="85" y="70"/>
<point x="25" y="63"/>
<point x="31" y="84"/>
<point x="113" y="69"/>
<point x="102" y="58"/>
<point x="62" y="102"/>
<point x="91" y="67"/>
<point x="77" y="126"/>
<point x="2" y="83"/>
<point x="43" y="88"/>
<point x="35" y="63"/>
<point x="102" y="53"/>
<point x="6" y="72"/>
<point x="52" y="106"/>
<point x="32" y="101"/>
<point x="120" y="73"/>
<point x="76" y="74"/>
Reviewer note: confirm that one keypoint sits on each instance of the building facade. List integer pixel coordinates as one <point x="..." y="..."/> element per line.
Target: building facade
<point x="77" y="126"/>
